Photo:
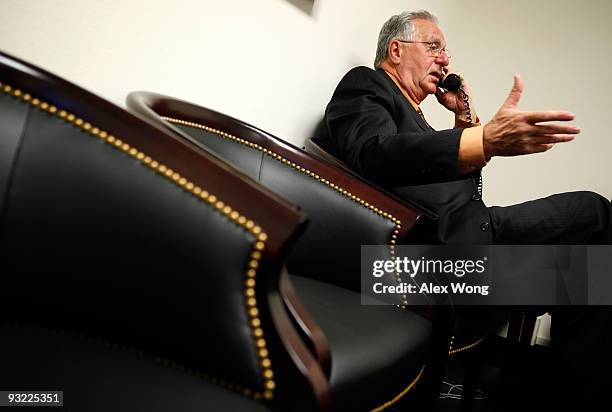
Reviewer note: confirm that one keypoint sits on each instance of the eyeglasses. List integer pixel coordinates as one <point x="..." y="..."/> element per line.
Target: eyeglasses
<point x="432" y="47"/>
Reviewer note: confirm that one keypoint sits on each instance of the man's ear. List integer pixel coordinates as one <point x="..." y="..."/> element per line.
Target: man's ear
<point x="394" y="51"/>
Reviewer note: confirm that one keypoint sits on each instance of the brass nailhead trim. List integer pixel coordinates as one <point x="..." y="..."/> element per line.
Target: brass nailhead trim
<point x="452" y="351"/>
<point x="346" y="193"/>
<point x="401" y="394"/>
<point x="219" y="206"/>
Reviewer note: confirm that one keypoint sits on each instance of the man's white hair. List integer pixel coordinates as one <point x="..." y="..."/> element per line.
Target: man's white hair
<point x="400" y="26"/>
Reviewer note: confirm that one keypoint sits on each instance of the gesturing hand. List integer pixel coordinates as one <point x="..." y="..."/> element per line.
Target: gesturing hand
<point x="512" y="132"/>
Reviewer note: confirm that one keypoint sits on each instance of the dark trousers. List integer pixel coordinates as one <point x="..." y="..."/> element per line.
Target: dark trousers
<point x="575" y="218"/>
<point x="581" y="336"/>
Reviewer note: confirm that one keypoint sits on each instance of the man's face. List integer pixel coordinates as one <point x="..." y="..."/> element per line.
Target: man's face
<point x="419" y="70"/>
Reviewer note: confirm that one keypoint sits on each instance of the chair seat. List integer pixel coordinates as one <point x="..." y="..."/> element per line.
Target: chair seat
<point x="390" y="343"/>
<point x="98" y="377"/>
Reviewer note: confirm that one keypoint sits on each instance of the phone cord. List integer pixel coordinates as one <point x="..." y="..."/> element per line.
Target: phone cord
<point x="476" y="175"/>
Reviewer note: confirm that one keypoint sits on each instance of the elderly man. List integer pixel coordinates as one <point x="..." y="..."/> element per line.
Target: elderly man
<point x="374" y="124"/>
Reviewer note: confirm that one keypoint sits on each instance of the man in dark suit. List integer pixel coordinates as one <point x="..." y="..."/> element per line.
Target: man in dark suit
<point x="374" y="124"/>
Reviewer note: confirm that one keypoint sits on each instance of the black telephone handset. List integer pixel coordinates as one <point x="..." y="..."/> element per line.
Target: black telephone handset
<point x="451" y="82"/>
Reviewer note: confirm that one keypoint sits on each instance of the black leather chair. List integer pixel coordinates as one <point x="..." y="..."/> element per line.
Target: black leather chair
<point x="138" y="272"/>
<point x="378" y="353"/>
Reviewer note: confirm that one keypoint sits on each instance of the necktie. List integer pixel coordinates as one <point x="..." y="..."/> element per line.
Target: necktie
<point x="420" y="112"/>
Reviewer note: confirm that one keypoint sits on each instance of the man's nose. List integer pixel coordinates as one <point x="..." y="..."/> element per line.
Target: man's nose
<point x="443" y="59"/>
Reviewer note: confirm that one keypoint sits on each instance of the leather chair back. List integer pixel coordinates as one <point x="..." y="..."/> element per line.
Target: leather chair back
<point x="107" y="232"/>
<point x="344" y="213"/>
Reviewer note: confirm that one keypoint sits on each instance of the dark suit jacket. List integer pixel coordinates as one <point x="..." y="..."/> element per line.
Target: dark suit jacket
<point x="371" y="126"/>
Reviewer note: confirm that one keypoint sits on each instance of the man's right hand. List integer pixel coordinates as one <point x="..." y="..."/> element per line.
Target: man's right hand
<point x="512" y="132"/>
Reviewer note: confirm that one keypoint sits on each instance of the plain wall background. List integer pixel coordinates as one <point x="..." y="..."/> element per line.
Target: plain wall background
<point x="270" y="64"/>
<point x="563" y="51"/>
